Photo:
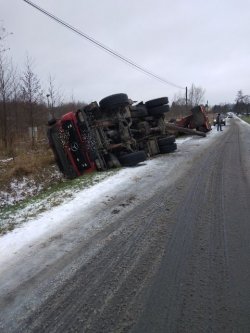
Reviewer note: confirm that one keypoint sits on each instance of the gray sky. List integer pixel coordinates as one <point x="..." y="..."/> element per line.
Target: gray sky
<point x="183" y="41"/>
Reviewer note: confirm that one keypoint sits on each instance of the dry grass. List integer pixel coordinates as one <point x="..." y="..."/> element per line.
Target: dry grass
<point x="25" y="164"/>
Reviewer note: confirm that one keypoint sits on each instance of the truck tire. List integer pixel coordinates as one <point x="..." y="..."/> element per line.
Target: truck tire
<point x="114" y="101"/>
<point x="166" y="141"/>
<point x="138" y="111"/>
<point x="133" y="159"/>
<point x="168" y="148"/>
<point x="156" y="102"/>
<point x="159" y="110"/>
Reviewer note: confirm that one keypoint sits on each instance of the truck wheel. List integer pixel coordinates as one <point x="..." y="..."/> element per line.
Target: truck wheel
<point x="157" y="102"/>
<point x="138" y="111"/>
<point x="168" y="148"/>
<point x="133" y="159"/>
<point x="114" y="101"/>
<point x="166" y="141"/>
<point x="159" y="110"/>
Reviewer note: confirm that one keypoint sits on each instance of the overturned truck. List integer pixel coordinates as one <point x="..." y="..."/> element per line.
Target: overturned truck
<point x="196" y="120"/>
<point x="110" y="134"/>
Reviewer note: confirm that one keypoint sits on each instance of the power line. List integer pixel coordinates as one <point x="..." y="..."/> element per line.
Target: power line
<point x="102" y="46"/>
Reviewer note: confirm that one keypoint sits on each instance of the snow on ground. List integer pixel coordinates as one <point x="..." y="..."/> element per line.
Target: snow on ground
<point x="45" y="224"/>
<point x="242" y="121"/>
<point x="54" y="217"/>
<point x="183" y="139"/>
<point x="6" y="160"/>
<point x="19" y="190"/>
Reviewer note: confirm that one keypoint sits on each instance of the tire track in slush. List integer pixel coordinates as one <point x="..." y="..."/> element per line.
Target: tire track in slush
<point x="192" y="285"/>
<point x="237" y="224"/>
<point x="118" y="262"/>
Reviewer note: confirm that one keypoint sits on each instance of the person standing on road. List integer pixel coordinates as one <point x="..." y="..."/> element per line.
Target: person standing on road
<point x="219" y="122"/>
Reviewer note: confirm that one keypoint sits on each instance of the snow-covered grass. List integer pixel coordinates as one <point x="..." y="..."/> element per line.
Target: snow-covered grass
<point x="246" y="119"/>
<point x="13" y="215"/>
<point x="20" y="187"/>
<point x="6" y="160"/>
<point x="26" y="174"/>
<point x="18" y="190"/>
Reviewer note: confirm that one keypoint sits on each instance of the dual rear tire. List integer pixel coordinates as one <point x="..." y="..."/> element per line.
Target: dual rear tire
<point x="168" y="148"/>
<point x="167" y="144"/>
<point x="132" y="159"/>
<point x="158" y="106"/>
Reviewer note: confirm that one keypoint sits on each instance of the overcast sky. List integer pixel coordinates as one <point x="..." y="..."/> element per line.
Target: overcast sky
<point x="183" y="41"/>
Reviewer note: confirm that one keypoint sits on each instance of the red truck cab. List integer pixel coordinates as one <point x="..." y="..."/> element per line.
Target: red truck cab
<point x="69" y="146"/>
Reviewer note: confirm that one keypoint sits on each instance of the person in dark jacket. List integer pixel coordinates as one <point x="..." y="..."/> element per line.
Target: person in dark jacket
<point x="219" y="122"/>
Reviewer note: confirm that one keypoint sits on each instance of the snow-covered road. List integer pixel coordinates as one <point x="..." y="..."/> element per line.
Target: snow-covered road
<point x="137" y="183"/>
<point x="93" y="259"/>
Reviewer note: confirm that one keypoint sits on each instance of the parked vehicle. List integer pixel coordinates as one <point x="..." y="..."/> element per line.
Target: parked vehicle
<point x="223" y="121"/>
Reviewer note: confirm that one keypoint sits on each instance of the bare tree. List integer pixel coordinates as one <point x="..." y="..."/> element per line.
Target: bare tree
<point x="53" y="96"/>
<point x="31" y="93"/>
<point x="242" y="103"/>
<point x="179" y="99"/>
<point x="195" y="95"/>
<point x="6" y="84"/>
<point x="3" y="35"/>
<point x="7" y="81"/>
<point x="178" y="107"/>
<point x="16" y="94"/>
<point x="241" y="98"/>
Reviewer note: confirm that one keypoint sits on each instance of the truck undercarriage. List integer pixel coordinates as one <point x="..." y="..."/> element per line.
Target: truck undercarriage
<point x="110" y="134"/>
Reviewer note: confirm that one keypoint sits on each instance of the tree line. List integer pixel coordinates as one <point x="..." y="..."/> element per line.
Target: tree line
<point x="184" y="102"/>
<point x="24" y="106"/>
<point x="241" y="105"/>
